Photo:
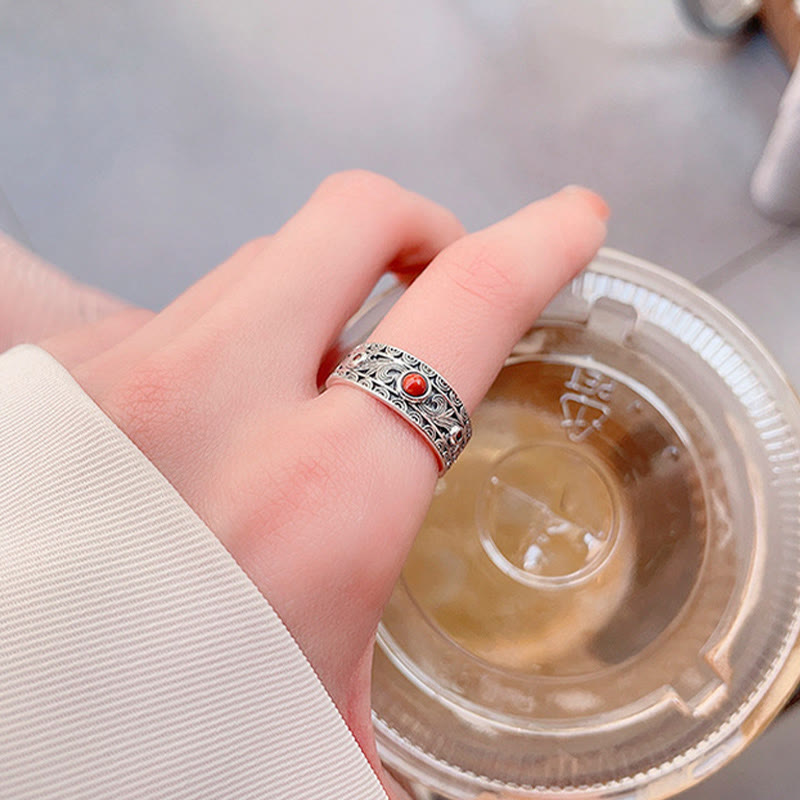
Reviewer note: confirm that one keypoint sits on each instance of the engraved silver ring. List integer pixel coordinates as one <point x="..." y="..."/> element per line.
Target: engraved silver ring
<point x="415" y="390"/>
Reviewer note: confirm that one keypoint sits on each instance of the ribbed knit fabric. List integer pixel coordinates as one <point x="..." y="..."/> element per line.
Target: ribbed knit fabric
<point x="137" y="660"/>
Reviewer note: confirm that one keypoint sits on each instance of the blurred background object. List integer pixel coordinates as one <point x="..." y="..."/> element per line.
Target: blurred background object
<point x="781" y="20"/>
<point x="720" y="17"/>
<point x="776" y="182"/>
<point x="143" y="142"/>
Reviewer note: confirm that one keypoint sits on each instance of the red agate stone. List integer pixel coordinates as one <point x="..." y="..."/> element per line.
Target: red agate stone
<point x="414" y="384"/>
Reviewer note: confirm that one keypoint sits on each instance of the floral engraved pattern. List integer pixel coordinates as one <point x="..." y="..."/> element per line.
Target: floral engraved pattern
<point x="438" y="413"/>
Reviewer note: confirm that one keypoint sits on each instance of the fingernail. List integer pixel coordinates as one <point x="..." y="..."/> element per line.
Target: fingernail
<point x="597" y="204"/>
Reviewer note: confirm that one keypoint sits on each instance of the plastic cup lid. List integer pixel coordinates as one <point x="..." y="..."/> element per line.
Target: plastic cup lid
<point x="604" y="599"/>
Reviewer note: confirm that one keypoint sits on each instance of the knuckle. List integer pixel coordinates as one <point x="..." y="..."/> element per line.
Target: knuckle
<point x="360" y="185"/>
<point x="307" y="475"/>
<point x="121" y="323"/>
<point x="292" y="496"/>
<point x="249" y="250"/>
<point x="295" y="490"/>
<point x="156" y="404"/>
<point x="484" y="272"/>
<point x="134" y="317"/>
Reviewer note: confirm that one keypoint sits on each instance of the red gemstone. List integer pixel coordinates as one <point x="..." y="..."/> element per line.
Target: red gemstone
<point x="414" y="384"/>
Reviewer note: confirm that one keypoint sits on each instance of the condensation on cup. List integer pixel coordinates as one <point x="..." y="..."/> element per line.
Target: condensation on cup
<point x="604" y="599"/>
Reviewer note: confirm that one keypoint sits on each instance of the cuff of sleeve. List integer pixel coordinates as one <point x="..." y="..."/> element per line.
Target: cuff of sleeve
<point x="137" y="660"/>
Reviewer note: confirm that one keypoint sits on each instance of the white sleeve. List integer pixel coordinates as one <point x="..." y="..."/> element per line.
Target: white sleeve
<point x="137" y="660"/>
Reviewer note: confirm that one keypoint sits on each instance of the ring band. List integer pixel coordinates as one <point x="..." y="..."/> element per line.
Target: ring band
<point x="413" y="389"/>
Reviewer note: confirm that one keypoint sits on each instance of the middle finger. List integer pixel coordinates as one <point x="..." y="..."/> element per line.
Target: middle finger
<point x="318" y="269"/>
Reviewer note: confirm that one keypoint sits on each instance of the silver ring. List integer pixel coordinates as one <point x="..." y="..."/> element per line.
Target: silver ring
<point x="413" y="389"/>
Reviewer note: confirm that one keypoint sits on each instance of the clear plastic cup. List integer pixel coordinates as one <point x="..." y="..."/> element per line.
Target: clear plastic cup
<point x="604" y="599"/>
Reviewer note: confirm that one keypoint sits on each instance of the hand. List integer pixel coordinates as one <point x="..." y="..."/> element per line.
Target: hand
<point x="318" y="496"/>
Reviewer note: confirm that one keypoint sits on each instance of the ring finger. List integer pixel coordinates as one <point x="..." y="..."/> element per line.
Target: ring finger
<point x="465" y="313"/>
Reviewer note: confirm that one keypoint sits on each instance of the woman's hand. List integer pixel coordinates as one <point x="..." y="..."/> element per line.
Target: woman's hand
<point x="318" y="496"/>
